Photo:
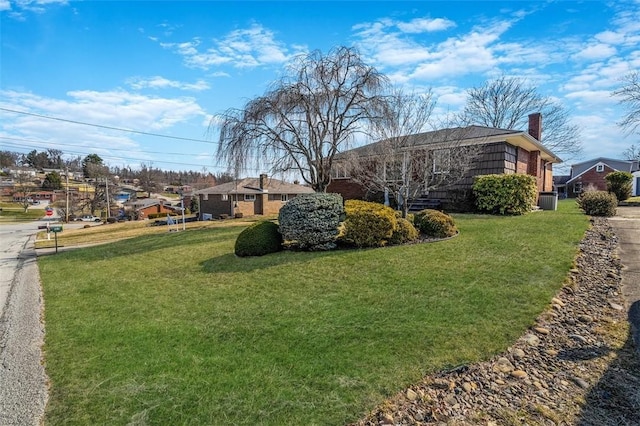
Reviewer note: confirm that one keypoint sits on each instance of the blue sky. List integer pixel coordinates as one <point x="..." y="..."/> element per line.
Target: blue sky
<point x="168" y="67"/>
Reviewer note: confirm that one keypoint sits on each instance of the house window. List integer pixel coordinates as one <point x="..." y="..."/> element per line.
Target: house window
<point x="205" y="197"/>
<point x="339" y="171"/>
<point x="441" y="161"/>
<point x="284" y="197"/>
<point x="224" y="197"/>
<point x="600" y="168"/>
<point x="577" y="187"/>
<point x="249" y="197"/>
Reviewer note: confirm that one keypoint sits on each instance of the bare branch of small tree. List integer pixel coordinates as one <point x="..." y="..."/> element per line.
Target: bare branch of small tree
<point x="632" y="153"/>
<point x="409" y="161"/>
<point x="305" y="118"/>
<point x="24" y="188"/>
<point x="506" y="102"/>
<point x="629" y="95"/>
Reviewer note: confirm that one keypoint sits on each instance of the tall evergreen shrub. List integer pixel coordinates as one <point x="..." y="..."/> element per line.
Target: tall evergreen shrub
<point x="620" y="184"/>
<point x="311" y="221"/>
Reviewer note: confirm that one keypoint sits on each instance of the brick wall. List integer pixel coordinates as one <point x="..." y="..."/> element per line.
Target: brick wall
<point x="214" y="205"/>
<point x="591" y="178"/>
<point x="346" y="187"/>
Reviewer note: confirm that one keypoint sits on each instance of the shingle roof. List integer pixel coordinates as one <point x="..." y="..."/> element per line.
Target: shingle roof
<point x="472" y="134"/>
<point x="252" y="186"/>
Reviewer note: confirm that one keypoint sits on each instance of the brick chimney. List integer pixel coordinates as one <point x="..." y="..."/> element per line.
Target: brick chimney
<point x="264" y="183"/>
<point x="535" y="125"/>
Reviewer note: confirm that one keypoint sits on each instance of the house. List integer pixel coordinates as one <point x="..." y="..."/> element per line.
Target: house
<point x="142" y="208"/>
<point x="494" y="151"/>
<point x="249" y="196"/>
<point x="591" y="174"/>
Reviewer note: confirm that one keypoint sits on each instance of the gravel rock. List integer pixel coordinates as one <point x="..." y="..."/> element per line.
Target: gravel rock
<point x="571" y="374"/>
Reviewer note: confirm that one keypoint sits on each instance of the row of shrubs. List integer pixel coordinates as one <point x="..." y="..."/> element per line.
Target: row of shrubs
<point x="320" y="222"/>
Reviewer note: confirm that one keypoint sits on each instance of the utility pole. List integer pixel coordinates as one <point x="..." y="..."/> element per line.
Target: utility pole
<point x="106" y="188"/>
<point x="66" y="219"/>
<point x="182" y="204"/>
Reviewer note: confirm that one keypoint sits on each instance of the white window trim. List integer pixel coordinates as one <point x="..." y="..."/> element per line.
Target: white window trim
<point x="284" y="197"/>
<point x="577" y="187"/>
<point x="205" y="197"/>
<point x="224" y="197"/>
<point x="250" y="197"/>
<point x="600" y="168"/>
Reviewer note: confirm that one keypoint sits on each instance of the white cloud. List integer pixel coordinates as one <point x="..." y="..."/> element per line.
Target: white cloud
<point x="5" y="5"/>
<point x="158" y="82"/>
<point x="36" y="6"/>
<point x="595" y="51"/>
<point x="243" y="48"/>
<point x="420" y="25"/>
<point x="118" y="109"/>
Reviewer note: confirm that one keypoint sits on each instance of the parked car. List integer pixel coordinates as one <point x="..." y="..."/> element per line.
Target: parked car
<point x="88" y="218"/>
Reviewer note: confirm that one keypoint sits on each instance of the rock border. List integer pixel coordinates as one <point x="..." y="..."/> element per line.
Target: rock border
<point x="576" y="365"/>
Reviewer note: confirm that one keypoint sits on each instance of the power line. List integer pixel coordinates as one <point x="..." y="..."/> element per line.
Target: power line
<point x="107" y="127"/>
<point x="76" y="146"/>
<point x="16" y="145"/>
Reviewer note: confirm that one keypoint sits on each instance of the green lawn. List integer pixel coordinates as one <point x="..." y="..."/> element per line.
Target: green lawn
<point x="174" y="329"/>
<point x="15" y="212"/>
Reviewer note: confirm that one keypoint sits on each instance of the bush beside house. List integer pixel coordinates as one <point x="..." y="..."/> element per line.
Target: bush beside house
<point x="512" y="194"/>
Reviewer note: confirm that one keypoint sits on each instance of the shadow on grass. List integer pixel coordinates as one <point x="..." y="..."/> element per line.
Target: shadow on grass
<point x="615" y="399"/>
<point x="231" y="263"/>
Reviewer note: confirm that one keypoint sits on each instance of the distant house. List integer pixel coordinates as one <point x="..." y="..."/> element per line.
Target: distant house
<point x="591" y="174"/>
<point x="496" y="151"/>
<point x="142" y="208"/>
<point x="249" y="196"/>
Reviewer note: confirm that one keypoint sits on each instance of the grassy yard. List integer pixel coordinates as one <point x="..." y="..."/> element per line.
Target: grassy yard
<point x="172" y="328"/>
<point x="98" y="234"/>
<point x="12" y="212"/>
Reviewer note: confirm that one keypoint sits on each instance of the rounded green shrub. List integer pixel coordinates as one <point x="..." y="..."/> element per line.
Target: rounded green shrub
<point x="368" y="224"/>
<point x="434" y="223"/>
<point x="598" y="203"/>
<point x="311" y="221"/>
<point x="404" y="233"/>
<point x="259" y="239"/>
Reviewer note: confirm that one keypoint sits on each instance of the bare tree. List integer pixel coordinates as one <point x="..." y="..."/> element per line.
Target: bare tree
<point x="305" y="118"/>
<point x="149" y="178"/>
<point x="413" y="165"/>
<point x="505" y="103"/>
<point x="24" y="188"/>
<point x="629" y="95"/>
<point x="385" y="166"/>
<point x="632" y="153"/>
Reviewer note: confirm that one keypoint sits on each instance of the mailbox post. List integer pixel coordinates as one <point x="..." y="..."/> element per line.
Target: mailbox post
<point x="55" y="229"/>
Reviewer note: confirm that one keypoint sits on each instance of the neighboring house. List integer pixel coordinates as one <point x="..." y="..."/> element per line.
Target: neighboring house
<point x="591" y="174"/>
<point x="142" y="208"/>
<point x="496" y="151"/>
<point x="249" y="196"/>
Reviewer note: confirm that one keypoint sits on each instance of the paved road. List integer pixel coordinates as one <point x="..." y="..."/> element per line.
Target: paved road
<point x="23" y="389"/>
<point x="626" y="224"/>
